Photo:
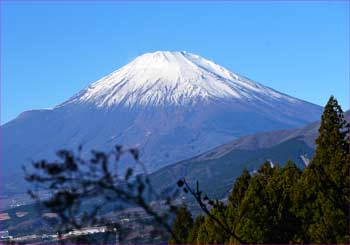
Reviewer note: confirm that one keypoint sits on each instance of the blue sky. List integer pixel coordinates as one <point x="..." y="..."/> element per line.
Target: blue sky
<point x="51" y="50"/>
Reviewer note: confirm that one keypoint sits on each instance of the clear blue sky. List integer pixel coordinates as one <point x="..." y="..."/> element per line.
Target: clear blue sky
<point x="51" y="50"/>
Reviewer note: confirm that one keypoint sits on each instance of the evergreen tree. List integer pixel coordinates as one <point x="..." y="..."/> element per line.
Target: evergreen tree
<point x="322" y="196"/>
<point x="211" y="232"/>
<point x="238" y="192"/>
<point x="182" y="226"/>
<point x="255" y="214"/>
<point x="266" y="170"/>
<point x="193" y="235"/>
<point x="239" y="189"/>
<point x="285" y="224"/>
<point x="284" y="205"/>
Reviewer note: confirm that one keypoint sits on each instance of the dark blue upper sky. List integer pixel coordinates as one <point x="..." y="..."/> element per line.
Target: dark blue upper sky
<point x="51" y="50"/>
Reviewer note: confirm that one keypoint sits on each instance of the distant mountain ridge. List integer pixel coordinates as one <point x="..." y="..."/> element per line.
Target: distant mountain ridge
<point x="170" y="105"/>
<point x="217" y="169"/>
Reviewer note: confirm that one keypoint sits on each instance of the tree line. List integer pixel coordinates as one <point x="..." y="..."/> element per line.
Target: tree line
<point x="281" y="205"/>
<point x="271" y="205"/>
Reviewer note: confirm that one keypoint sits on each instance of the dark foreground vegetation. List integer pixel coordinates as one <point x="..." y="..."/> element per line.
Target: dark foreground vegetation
<point x="271" y="205"/>
<point x="283" y="205"/>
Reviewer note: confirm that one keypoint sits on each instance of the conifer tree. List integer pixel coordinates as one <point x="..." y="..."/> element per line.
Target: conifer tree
<point x="255" y="214"/>
<point x="239" y="189"/>
<point x="279" y="189"/>
<point x="211" y="232"/>
<point x="284" y="205"/>
<point x="182" y="225"/>
<point x="193" y="235"/>
<point x="323" y="192"/>
<point x="237" y="194"/>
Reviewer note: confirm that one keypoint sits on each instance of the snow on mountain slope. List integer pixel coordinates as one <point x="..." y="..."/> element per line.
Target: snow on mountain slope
<point x="171" y="105"/>
<point x="177" y="78"/>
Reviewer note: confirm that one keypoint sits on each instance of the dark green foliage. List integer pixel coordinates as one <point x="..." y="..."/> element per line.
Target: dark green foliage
<point x="239" y="189"/>
<point x="182" y="226"/>
<point x="285" y="205"/>
<point x="193" y="235"/>
<point x="280" y="189"/>
<point x="255" y="209"/>
<point x="211" y="232"/>
<point x="216" y="176"/>
<point x="272" y="205"/>
<point x="323" y="203"/>
<point x="235" y="199"/>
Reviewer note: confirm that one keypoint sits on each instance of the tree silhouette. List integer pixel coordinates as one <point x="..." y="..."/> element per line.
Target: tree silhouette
<point x="80" y="190"/>
<point x="323" y="191"/>
<point x="272" y="205"/>
<point x="286" y="205"/>
<point x="182" y="226"/>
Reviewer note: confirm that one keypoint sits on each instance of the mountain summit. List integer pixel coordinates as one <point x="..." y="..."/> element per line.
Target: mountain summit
<point x="173" y="78"/>
<point x="171" y="105"/>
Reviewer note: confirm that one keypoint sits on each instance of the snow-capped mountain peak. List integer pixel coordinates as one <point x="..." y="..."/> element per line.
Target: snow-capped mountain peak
<point x="170" y="105"/>
<point x="177" y="78"/>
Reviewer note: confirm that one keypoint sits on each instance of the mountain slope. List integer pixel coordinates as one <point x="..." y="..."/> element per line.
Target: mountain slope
<point x="217" y="169"/>
<point x="174" y="78"/>
<point x="171" y="105"/>
<point x="217" y="175"/>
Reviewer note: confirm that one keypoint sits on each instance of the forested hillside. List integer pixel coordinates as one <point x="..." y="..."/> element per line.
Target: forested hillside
<point x="284" y="205"/>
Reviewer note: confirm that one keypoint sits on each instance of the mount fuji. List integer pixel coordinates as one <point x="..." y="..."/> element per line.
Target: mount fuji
<point x="171" y="105"/>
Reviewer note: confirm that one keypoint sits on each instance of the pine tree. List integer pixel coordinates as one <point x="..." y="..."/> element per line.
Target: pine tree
<point x="285" y="205"/>
<point x="255" y="214"/>
<point x="211" y="232"/>
<point x="182" y="226"/>
<point x="193" y="235"/>
<point x="238" y="192"/>
<point x="322" y="196"/>
<point x="285" y="224"/>
<point x="239" y="189"/>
